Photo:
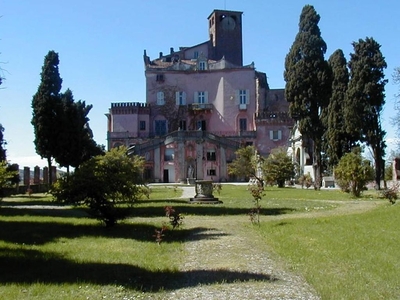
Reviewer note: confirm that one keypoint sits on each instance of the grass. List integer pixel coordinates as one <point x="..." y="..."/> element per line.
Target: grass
<point x="48" y="253"/>
<point x="343" y="257"/>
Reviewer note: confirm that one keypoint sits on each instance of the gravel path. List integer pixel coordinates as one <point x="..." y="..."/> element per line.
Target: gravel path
<point x="222" y="263"/>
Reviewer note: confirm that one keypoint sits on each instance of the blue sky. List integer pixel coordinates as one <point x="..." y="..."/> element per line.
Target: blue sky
<point x="101" y="43"/>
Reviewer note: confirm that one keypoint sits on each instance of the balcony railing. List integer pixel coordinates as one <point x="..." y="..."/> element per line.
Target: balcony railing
<point x="185" y="134"/>
<point x="200" y="106"/>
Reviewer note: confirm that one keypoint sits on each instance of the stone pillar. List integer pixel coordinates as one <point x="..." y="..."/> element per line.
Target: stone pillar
<point x="45" y="175"/>
<point x="36" y="175"/>
<point x="157" y="160"/>
<point x="54" y="173"/>
<point x="181" y="162"/>
<point x="27" y="176"/>
<point x="199" y="164"/>
<point x="223" y="171"/>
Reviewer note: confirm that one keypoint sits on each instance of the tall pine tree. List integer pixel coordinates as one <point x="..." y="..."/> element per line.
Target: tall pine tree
<point x="47" y="110"/>
<point x="365" y="100"/>
<point x="308" y="83"/>
<point x="336" y="141"/>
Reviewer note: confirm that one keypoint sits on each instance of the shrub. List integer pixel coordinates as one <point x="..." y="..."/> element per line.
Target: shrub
<point x="107" y="184"/>
<point x="353" y="173"/>
<point x="278" y="167"/>
<point x="306" y="180"/>
<point x="391" y="193"/>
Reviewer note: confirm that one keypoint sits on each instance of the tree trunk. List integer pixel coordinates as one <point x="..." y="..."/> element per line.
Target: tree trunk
<point x="379" y="164"/>
<point x="317" y="165"/>
<point x="50" y="171"/>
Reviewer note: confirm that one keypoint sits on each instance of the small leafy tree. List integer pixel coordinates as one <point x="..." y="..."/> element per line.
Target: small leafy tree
<point x="107" y="184"/>
<point x="353" y="172"/>
<point x="278" y="167"/>
<point x="246" y="163"/>
<point x="257" y="192"/>
<point x="6" y="176"/>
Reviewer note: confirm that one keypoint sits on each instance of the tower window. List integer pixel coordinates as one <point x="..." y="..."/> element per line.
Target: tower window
<point x="160" y="98"/>
<point x="160" y="77"/>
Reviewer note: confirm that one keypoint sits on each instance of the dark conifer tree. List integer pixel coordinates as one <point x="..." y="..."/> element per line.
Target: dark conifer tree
<point x="336" y="141"/>
<point x="365" y="99"/>
<point x="2" y="145"/>
<point x="46" y="106"/>
<point x="308" y="83"/>
<point x="77" y="144"/>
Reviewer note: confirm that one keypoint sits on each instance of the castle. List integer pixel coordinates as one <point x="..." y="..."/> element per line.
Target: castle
<point x="202" y="104"/>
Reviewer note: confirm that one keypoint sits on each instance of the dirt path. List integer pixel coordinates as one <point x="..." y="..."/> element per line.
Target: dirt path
<point x="222" y="250"/>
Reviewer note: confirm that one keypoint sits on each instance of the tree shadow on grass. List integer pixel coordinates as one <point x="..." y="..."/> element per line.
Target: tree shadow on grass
<point x="40" y="233"/>
<point x="41" y="211"/>
<point x="32" y="266"/>
<point x="207" y="210"/>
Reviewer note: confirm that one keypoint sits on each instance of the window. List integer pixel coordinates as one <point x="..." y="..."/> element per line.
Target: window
<point x="142" y="125"/>
<point x="182" y="124"/>
<point x="169" y="155"/>
<point x="160" y="77"/>
<point x="211" y="155"/>
<point x="201" y="97"/>
<point x="275" y="135"/>
<point x="160" y="98"/>
<point x="202" y="65"/>
<point x="180" y="98"/>
<point x="211" y="172"/>
<point x="243" y="124"/>
<point x="201" y="125"/>
<point x="242" y="97"/>
<point x="196" y="54"/>
<point x="161" y="127"/>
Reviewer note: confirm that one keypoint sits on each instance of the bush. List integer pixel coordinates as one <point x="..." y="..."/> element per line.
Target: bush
<point x="107" y="184"/>
<point x="278" y="167"/>
<point x="391" y="193"/>
<point x="353" y="173"/>
<point x="306" y="180"/>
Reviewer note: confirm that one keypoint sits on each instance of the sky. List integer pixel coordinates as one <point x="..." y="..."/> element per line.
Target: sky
<point x="101" y="44"/>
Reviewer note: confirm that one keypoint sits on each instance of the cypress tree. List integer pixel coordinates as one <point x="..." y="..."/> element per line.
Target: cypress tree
<point x="47" y="109"/>
<point x="308" y="84"/>
<point x="336" y="141"/>
<point x="365" y="99"/>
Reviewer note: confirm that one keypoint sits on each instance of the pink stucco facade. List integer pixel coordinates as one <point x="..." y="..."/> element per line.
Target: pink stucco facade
<point x="200" y="108"/>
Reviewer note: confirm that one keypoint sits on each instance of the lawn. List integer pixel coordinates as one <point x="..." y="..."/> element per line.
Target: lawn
<point x="49" y="253"/>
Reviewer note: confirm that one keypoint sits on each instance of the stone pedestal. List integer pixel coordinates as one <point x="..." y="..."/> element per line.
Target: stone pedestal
<point x="204" y="193"/>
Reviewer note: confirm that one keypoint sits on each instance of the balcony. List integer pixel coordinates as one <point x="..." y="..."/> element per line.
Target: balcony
<point x="200" y="107"/>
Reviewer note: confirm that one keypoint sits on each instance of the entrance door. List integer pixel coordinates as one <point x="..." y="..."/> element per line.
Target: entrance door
<point x="166" y="175"/>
